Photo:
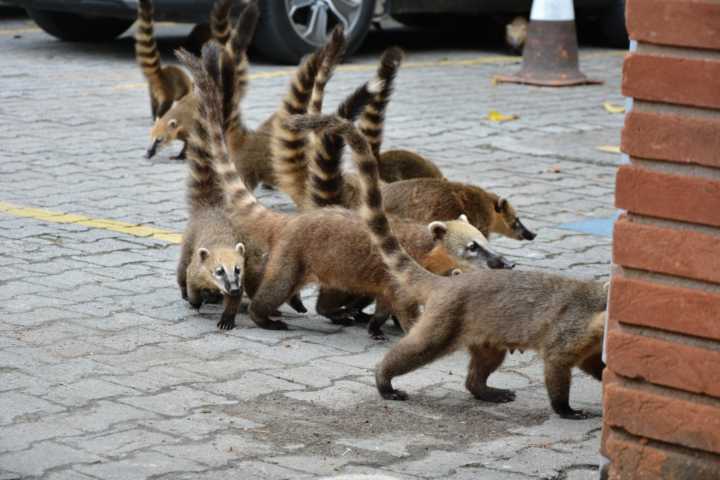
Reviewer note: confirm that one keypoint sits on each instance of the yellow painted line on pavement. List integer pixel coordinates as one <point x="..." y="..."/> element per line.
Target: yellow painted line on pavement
<point x="609" y="148"/>
<point x="50" y="216"/>
<point x="17" y="31"/>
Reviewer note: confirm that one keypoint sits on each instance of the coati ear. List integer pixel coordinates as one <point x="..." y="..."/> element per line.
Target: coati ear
<point x="463" y="218"/>
<point x="172" y="123"/>
<point x="500" y="205"/>
<point x="438" y="230"/>
<point x="455" y="271"/>
<point x="240" y="248"/>
<point x="606" y="287"/>
<point x="204" y="254"/>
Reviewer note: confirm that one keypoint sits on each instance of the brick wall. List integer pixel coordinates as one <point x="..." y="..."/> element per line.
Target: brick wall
<point x="662" y="384"/>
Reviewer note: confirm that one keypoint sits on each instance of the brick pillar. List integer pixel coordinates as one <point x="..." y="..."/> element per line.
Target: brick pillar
<point x="662" y="384"/>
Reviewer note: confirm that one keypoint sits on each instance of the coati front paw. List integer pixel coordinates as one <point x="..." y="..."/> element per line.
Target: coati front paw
<point x="571" y="414"/>
<point x="183" y="293"/>
<point x="266" y="323"/>
<point x="361" y="317"/>
<point x="227" y="322"/>
<point x="297" y="304"/>
<point x="494" y="395"/>
<point x="393" y="394"/>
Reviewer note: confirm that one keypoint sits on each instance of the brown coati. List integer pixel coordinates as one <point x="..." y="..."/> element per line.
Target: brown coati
<point x="400" y="164"/>
<point x="174" y="125"/>
<point x="330" y="247"/>
<point x="166" y="83"/>
<point x="425" y="199"/>
<point x="516" y="34"/>
<point x="488" y="313"/>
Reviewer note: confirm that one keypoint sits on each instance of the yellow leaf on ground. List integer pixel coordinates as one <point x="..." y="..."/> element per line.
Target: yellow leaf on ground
<point x="609" y="148"/>
<point x="613" y="107"/>
<point x="494" y="116"/>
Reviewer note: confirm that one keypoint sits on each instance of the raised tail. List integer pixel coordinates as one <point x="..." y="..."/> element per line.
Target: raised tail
<point x="220" y="21"/>
<point x="236" y="89"/>
<point x="417" y="281"/>
<point x="146" y="50"/>
<point x="372" y="120"/>
<point x="325" y="72"/>
<point x="207" y="72"/>
<point x="326" y="175"/>
<point x="288" y="148"/>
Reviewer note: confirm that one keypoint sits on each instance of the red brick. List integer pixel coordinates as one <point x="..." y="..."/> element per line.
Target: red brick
<point x="694" y="23"/>
<point x="670" y="137"/>
<point x="665" y="195"/>
<point x="681" y="252"/>
<point x="671" y="308"/>
<point x="637" y="459"/>
<point x="664" y="417"/>
<point x="686" y="81"/>
<point x="665" y="363"/>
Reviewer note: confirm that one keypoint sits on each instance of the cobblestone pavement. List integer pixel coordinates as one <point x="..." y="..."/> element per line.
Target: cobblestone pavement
<point x="104" y="371"/>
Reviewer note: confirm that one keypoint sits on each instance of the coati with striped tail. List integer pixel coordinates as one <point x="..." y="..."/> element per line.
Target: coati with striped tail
<point x="213" y="257"/>
<point x="330" y="247"/>
<point x="174" y="125"/>
<point x="488" y="313"/>
<point x="166" y="83"/>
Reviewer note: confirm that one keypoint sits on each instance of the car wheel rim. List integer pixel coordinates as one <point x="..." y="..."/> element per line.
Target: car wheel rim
<point x="313" y="20"/>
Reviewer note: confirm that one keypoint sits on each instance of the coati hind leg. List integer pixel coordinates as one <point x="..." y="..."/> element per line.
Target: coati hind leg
<point x="484" y="360"/>
<point x="422" y="345"/>
<point x="231" y="306"/>
<point x="331" y="304"/>
<point x="557" y="381"/>
<point x="593" y="365"/>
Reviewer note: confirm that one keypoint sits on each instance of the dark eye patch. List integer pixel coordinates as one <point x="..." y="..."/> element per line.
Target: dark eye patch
<point x="219" y="271"/>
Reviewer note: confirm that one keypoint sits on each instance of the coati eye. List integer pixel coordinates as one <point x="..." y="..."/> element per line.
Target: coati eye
<point x="237" y="270"/>
<point x="473" y="247"/>
<point x="219" y="271"/>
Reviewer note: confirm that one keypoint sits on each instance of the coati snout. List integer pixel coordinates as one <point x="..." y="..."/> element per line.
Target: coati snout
<point x="509" y="224"/>
<point x="224" y="267"/>
<point x="467" y="242"/>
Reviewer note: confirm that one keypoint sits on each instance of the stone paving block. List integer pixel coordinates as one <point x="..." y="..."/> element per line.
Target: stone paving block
<point x="102" y="415"/>
<point x="142" y="465"/>
<point x="316" y="465"/>
<point x="177" y="401"/>
<point x="200" y="424"/>
<point x="120" y="443"/>
<point x="321" y="374"/>
<point x="339" y="396"/>
<point x="19" y="436"/>
<point x="43" y="456"/>
<point x="218" y="451"/>
<point x="16" y="404"/>
<point x="250" y="386"/>
<point x="84" y="391"/>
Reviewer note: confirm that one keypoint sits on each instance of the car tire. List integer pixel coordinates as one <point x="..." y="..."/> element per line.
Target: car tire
<point x="72" y="27"/>
<point x="612" y="25"/>
<point x="279" y="37"/>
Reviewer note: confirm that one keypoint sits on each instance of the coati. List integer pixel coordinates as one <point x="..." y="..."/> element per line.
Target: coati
<point x="166" y="83"/>
<point x="174" y="125"/>
<point x="212" y="256"/>
<point x="425" y="199"/>
<point x="487" y="313"/>
<point x="330" y="247"/>
<point x="400" y="164"/>
<point x="516" y="34"/>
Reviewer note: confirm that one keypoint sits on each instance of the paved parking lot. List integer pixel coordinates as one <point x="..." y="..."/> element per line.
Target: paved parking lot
<point x="106" y="374"/>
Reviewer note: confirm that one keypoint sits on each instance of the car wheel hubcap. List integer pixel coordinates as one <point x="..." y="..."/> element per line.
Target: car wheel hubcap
<point x="314" y="19"/>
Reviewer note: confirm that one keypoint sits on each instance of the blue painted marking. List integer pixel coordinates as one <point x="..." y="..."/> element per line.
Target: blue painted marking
<point x="602" y="227"/>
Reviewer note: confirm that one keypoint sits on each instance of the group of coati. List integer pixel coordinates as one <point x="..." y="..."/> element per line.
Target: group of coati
<point x="396" y="232"/>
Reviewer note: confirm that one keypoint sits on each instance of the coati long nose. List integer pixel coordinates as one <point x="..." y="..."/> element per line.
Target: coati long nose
<point x="152" y="149"/>
<point x="524" y="232"/>
<point x="234" y="291"/>
<point x="499" y="262"/>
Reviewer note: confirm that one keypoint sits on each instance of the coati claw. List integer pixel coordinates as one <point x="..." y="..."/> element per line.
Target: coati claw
<point x="226" y="322"/>
<point x="571" y="414"/>
<point x="493" y="395"/>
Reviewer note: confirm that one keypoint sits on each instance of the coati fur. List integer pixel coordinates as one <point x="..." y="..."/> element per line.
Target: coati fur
<point x="487" y="313"/>
<point x="166" y="83"/>
<point x="174" y="125"/>
<point x="516" y="34"/>
<point x="400" y="164"/>
<point x="423" y="199"/>
<point x="330" y="247"/>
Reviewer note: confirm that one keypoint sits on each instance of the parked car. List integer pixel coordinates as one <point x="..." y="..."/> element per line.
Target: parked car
<point x="289" y="29"/>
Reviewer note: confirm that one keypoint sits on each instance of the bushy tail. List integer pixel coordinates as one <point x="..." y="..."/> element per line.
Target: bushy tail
<point x="146" y="50"/>
<point x="288" y="148"/>
<point x="326" y="182"/>
<point x="326" y="175"/>
<point x="235" y="81"/>
<point x="220" y="21"/>
<point x="209" y="80"/>
<point x="372" y="120"/>
<point x="325" y="72"/>
<point x="417" y="281"/>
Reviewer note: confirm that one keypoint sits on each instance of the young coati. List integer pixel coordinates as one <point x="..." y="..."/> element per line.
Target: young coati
<point x="166" y="84"/>
<point x="488" y="313"/>
<point x="174" y="125"/>
<point x="330" y="247"/>
<point x="425" y="199"/>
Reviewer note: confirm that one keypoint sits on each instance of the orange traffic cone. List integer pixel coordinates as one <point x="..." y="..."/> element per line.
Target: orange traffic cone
<point x="550" y="56"/>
